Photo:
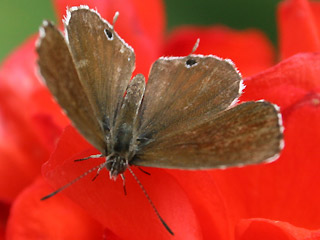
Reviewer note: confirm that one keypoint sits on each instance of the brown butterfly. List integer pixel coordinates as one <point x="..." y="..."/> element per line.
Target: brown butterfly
<point x="183" y="118"/>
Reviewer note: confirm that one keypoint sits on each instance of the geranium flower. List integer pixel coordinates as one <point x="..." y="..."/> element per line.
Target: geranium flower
<point x="268" y="201"/>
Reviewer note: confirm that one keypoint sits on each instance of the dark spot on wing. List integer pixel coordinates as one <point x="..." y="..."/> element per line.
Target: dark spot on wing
<point x="109" y="34"/>
<point x="191" y="62"/>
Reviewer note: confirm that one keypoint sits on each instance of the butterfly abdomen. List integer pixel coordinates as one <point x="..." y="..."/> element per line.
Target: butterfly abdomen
<point x="123" y="138"/>
<point x="125" y="124"/>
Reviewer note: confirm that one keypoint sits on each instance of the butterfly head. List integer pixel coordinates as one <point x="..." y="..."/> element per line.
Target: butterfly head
<point x="116" y="165"/>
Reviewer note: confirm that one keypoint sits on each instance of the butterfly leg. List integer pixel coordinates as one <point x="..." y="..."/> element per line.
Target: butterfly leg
<point x="98" y="172"/>
<point x="144" y="171"/>
<point x="124" y="184"/>
<point x="92" y="156"/>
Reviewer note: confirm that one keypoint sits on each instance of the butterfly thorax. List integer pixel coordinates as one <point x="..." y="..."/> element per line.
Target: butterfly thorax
<point x="121" y="149"/>
<point x="116" y="165"/>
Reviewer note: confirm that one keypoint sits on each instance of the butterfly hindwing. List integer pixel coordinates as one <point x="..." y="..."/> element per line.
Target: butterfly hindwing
<point x="246" y="134"/>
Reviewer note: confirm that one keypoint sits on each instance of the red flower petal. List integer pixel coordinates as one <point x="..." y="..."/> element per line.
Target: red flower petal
<point x="4" y="212"/>
<point x="142" y="29"/>
<point x="285" y="190"/>
<point x="57" y="218"/>
<point x="267" y="229"/>
<point x="18" y="70"/>
<point x="287" y="82"/>
<point x="131" y="216"/>
<point x="250" y="50"/>
<point x="208" y="203"/>
<point x="26" y="112"/>
<point x="315" y="8"/>
<point x="298" y="27"/>
<point x="16" y="171"/>
<point x="22" y="90"/>
<point x="110" y="235"/>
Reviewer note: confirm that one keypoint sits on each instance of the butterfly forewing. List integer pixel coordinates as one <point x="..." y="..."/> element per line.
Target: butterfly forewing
<point x="103" y="61"/>
<point x="59" y="72"/>
<point x="183" y="91"/>
<point x="246" y="134"/>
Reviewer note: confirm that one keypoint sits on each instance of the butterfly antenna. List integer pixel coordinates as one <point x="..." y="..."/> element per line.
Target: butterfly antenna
<point x="151" y="203"/>
<point x="115" y="18"/>
<point x="72" y="182"/>
<point x="195" y="47"/>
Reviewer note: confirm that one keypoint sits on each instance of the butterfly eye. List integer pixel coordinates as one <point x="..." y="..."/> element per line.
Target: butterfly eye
<point x="109" y="34"/>
<point x="191" y="62"/>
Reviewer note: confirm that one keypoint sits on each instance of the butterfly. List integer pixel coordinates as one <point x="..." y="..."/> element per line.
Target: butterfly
<point x="185" y="117"/>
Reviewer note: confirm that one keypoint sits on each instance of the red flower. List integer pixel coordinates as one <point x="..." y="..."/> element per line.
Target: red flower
<point x="271" y="201"/>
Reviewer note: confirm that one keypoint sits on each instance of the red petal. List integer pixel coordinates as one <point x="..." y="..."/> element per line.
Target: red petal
<point x="18" y="74"/>
<point x="23" y="90"/>
<point x="26" y="141"/>
<point x="285" y="190"/>
<point x="315" y="8"/>
<point x="267" y="229"/>
<point x="26" y="112"/>
<point x="250" y="50"/>
<point x="131" y="216"/>
<point x="56" y="218"/>
<point x="110" y="235"/>
<point x="18" y="70"/>
<point x="298" y="27"/>
<point x="208" y="203"/>
<point x="287" y="82"/>
<point x="4" y="212"/>
<point x="141" y="24"/>
<point x="16" y="171"/>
